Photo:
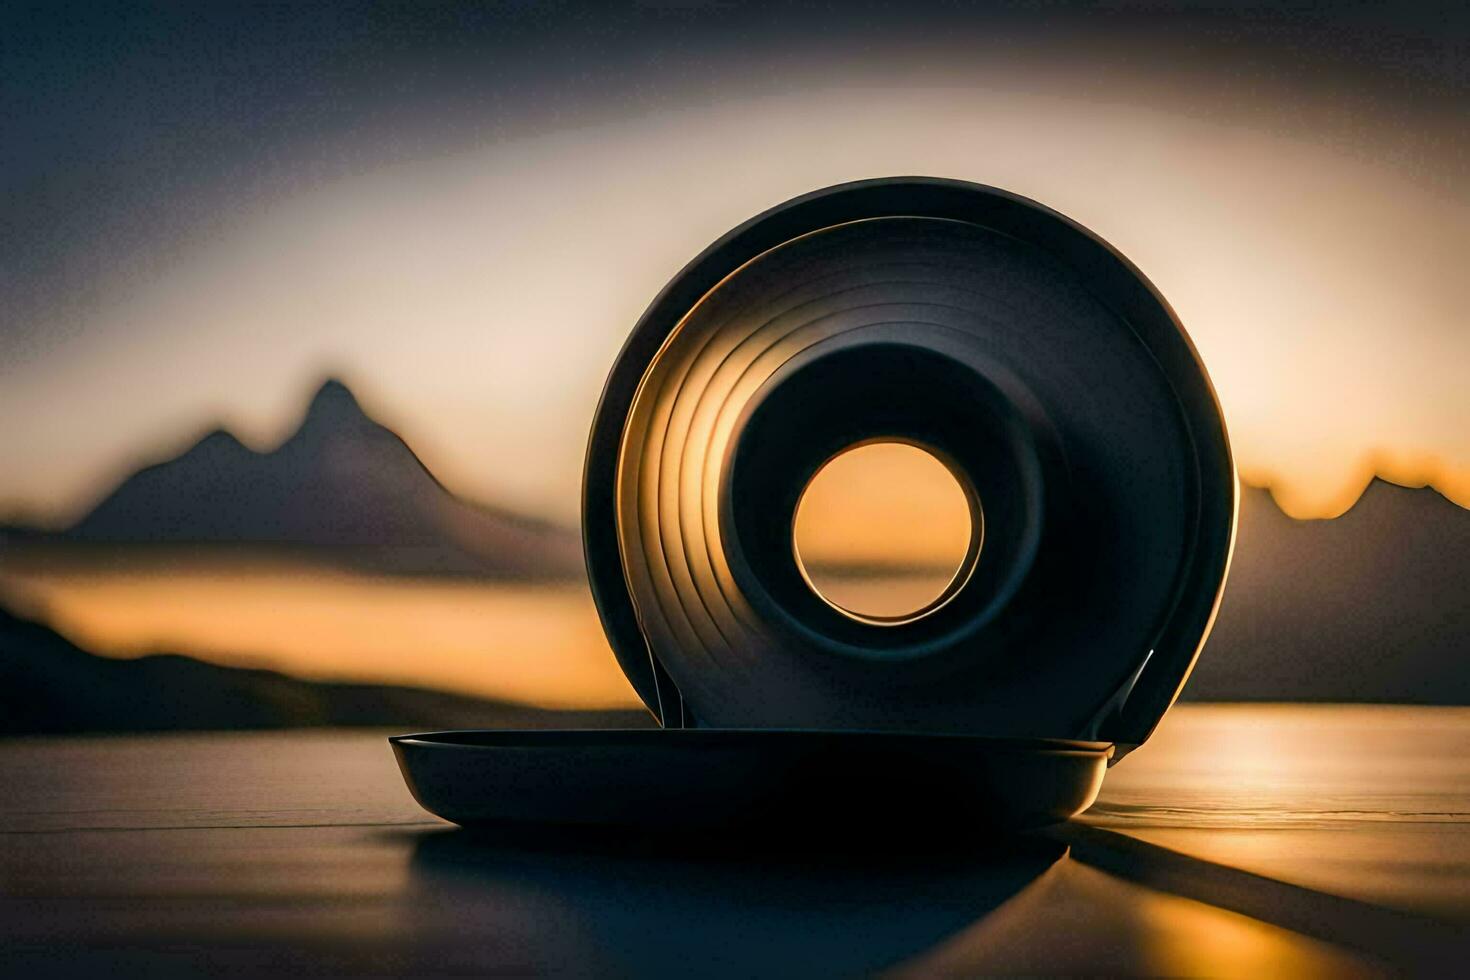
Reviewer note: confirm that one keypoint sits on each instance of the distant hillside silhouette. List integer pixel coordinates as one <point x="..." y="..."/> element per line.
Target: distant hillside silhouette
<point x="342" y="483"/>
<point x="49" y="685"/>
<point x="1371" y="606"/>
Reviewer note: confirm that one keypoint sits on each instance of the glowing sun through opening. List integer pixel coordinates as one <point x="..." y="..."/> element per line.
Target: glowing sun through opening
<point x="886" y="532"/>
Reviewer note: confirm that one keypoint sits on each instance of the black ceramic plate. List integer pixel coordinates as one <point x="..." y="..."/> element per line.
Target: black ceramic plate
<point x="1004" y="338"/>
<point x="698" y="780"/>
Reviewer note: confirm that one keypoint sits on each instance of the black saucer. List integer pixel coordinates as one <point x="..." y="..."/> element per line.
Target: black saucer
<point x="750" y="780"/>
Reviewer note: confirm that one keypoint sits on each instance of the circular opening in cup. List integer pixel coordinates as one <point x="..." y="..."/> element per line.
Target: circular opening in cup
<point x="886" y="532"/>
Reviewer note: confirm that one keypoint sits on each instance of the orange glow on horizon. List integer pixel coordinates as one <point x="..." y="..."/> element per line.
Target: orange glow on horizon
<point x="528" y="644"/>
<point x="1414" y="472"/>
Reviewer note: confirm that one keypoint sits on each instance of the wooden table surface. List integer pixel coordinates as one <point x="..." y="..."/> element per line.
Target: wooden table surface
<point x="1241" y="841"/>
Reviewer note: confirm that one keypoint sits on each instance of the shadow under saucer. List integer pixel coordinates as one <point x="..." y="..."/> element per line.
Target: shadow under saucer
<point x="551" y="900"/>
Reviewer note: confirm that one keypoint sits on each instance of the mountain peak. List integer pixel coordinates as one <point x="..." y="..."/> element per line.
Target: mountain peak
<point x="333" y="411"/>
<point x="335" y="398"/>
<point x="342" y="482"/>
<point x="332" y="415"/>
<point x="217" y="443"/>
<point x="1381" y="497"/>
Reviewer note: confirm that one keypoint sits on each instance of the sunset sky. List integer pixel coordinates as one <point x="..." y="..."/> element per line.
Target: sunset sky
<point x="207" y="212"/>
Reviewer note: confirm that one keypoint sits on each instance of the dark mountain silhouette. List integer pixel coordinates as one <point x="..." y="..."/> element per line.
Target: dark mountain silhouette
<point x="49" y="685"/>
<point x="1371" y="606"/>
<point x="342" y="484"/>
